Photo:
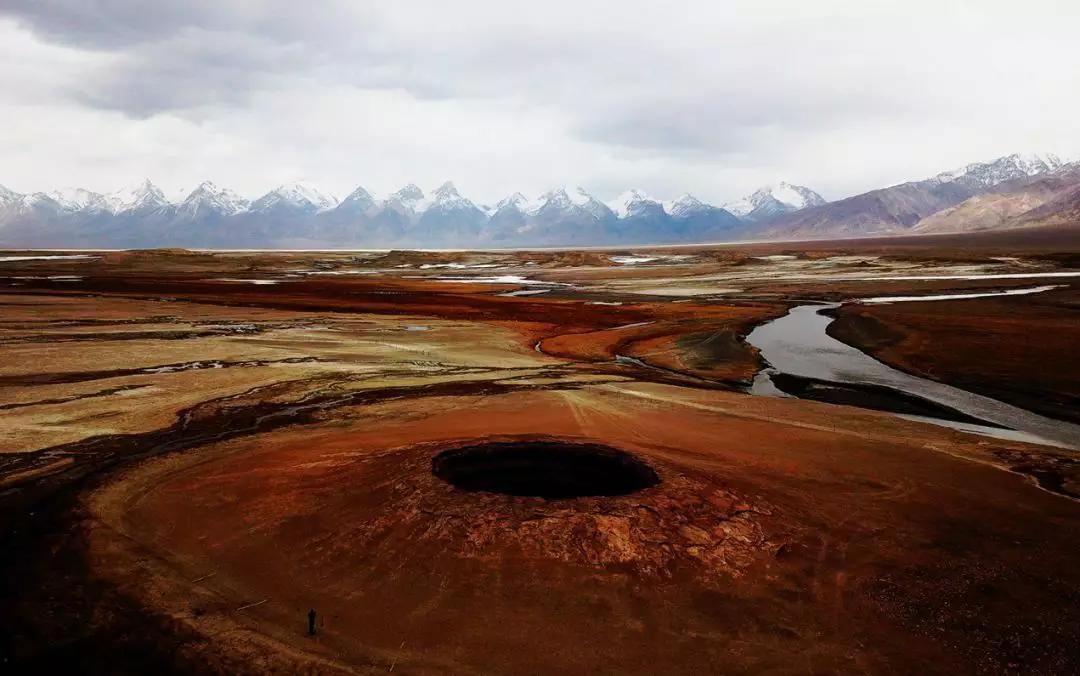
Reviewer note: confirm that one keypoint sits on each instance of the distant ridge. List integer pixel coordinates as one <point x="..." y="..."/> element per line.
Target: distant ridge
<point x="900" y="208"/>
<point x="299" y="216"/>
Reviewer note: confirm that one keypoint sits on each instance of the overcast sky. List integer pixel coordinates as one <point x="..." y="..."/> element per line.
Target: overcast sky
<point x="711" y="97"/>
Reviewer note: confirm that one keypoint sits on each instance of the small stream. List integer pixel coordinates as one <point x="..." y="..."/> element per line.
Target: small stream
<point x="797" y="344"/>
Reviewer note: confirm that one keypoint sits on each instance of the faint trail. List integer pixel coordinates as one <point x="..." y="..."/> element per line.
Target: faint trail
<point x="83" y="376"/>
<point x="742" y="414"/>
<point x="74" y="397"/>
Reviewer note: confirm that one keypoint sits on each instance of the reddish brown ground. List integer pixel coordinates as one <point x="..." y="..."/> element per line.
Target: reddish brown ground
<point x="160" y="521"/>
<point x="1019" y="349"/>
<point x="773" y="543"/>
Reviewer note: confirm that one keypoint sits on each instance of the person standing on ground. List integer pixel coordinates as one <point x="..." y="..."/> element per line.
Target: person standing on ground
<point x="311" y="622"/>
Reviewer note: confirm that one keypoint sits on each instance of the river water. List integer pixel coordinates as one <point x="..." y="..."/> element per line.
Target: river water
<point x="797" y="344"/>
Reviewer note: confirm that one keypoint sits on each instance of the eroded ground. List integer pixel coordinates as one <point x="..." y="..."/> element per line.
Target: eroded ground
<point x="197" y="448"/>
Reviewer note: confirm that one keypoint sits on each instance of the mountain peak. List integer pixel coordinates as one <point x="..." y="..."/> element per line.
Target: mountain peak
<point x="631" y="202"/>
<point x="688" y="199"/>
<point x="358" y="198"/>
<point x="571" y="195"/>
<point x="359" y="193"/>
<point x="579" y="196"/>
<point x="206" y="187"/>
<point x="446" y="191"/>
<point x="1005" y="168"/>
<point x="515" y="200"/>
<point x="522" y="203"/>
<point x="574" y="199"/>
<point x="76" y="199"/>
<point x="207" y="196"/>
<point x="409" y="193"/>
<point x="685" y="205"/>
<point x="409" y="198"/>
<point x="142" y="195"/>
<point x="304" y="196"/>
<point x="773" y="200"/>
<point x="447" y="198"/>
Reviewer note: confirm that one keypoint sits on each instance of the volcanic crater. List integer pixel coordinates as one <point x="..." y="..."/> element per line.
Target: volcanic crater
<point x="565" y="499"/>
<point x="544" y="469"/>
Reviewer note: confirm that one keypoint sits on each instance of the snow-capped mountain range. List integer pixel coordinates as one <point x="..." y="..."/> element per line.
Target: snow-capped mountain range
<point x="300" y="215"/>
<point x="1008" y="168"/>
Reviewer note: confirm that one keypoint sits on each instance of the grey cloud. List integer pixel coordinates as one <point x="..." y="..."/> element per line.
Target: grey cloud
<point x="642" y="91"/>
<point x="113" y="24"/>
<point x="615" y="87"/>
<point x="191" y="69"/>
<point x="179" y="56"/>
<point x="117" y="24"/>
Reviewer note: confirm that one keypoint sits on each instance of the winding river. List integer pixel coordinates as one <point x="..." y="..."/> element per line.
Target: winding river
<point x="797" y="344"/>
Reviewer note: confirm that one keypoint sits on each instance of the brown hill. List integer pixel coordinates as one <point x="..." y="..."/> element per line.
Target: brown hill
<point x="884" y="211"/>
<point x="980" y="196"/>
<point x="1046" y="200"/>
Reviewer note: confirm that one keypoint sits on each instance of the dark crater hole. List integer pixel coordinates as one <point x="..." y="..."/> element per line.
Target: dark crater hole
<point x="545" y="469"/>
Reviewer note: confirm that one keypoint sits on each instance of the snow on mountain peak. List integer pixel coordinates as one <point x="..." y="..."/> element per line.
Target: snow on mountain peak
<point x="568" y="196"/>
<point x="208" y="196"/>
<point x="796" y="196"/>
<point x="446" y="191"/>
<point x="1033" y="164"/>
<point x="409" y="193"/>
<point x="1033" y="161"/>
<point x="447" y="198"/>
<point x="516" y="200"/>
<point x="775" y="199"/>
<point x="684" y="205"/>
<point x="556" y="196"/>
<point x="574" y="199"/>
<point x="142" y="195"/>
<point x="578" y="195"/>
<point x="522" y="203"/>
<point x="1007" y="168"/>
<point x="743" y="207"/>
<point x="409" y="198"/>
<point x="630" y="202"/>
<point x="8" y="196"/>
<point x="359" y="197"/>
<point x="303" y="196"/>
<point x="80" y="199"/>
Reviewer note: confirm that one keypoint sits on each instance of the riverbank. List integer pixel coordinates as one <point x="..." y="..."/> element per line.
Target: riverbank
<point x="1008" y="348"/>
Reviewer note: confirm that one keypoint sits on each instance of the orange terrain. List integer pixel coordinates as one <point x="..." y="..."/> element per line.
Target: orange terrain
<point x="780" y="538"/>
<point x="520" y="462"/>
